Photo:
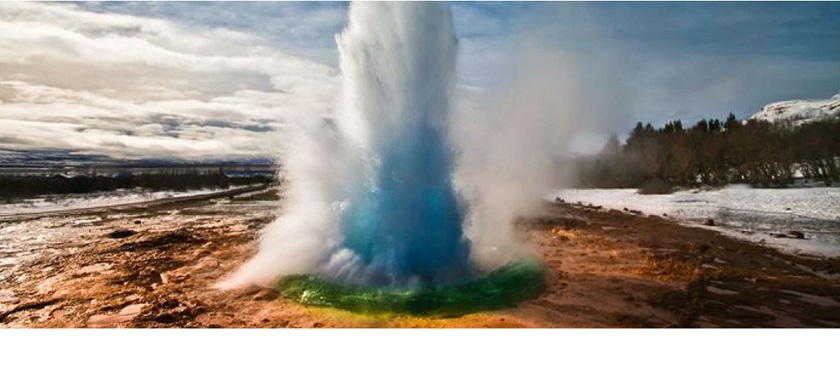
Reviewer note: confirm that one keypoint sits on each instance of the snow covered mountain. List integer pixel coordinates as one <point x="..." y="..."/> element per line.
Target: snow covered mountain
<point x="799" y="112"/>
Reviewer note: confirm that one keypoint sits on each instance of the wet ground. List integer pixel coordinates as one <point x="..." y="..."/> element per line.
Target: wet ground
<point x="155" y="265"/>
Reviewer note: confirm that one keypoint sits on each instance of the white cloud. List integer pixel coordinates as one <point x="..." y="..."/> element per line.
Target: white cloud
<point x="153" y="70"/>
<point x="131" y="86"/>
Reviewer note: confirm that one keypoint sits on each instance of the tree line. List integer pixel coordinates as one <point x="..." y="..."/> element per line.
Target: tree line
<point x="176" y="179"/>
<point x="715" y="153"/>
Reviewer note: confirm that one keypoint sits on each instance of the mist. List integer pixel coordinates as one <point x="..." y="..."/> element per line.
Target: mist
<point x="402" y="188"/>
<point x="515" y="138"/>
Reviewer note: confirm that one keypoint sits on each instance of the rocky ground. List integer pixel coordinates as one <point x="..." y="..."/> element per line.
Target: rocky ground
<point x="155" y="266"/>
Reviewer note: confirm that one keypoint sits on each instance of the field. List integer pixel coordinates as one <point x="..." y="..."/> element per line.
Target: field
<point x="798" y="220"/>
<point x="155" y="265"/>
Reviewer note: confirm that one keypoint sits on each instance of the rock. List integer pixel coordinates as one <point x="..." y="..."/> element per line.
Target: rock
<point x="165" y="318"/>
<point x="796" y="234"/>
<point x="138" y="221"/>
<point x="95" y="268"/>
<point x="58" y="314"/>
<point x="171" y="277"/>
<point x="7" y="296"/>
<point x="126" y="314"/>
<point x="709" y="222"/>
<point x="789" y="235"/>
<point x="102" y="320"/>
<point x="559" y="200"/>
<point x="170" y="304"/>
<point x="132" y="310"/>
<point x="27" y="306"/>
<point x="266" y="295"/>
<point x="119" y="234"/>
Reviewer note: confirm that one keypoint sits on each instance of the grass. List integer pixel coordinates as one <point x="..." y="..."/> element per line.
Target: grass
<point x="502" y="288"/>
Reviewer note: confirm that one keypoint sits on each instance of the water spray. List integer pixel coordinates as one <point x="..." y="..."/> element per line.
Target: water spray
<point x="373" y="222"/>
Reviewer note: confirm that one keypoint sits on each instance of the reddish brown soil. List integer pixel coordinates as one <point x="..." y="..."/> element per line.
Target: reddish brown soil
<point x="606" y="269"/>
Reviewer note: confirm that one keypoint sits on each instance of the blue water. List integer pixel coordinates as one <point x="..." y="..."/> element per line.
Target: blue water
<point x="403" y="220"/>
<point x="410" y="224"/>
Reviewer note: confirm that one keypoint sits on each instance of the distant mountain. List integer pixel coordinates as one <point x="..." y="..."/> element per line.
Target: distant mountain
<point x="66" y="158"/>
<point x="799" y="112"/>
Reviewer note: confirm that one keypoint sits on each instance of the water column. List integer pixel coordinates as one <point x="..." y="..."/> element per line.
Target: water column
<point x="403" y="219"/>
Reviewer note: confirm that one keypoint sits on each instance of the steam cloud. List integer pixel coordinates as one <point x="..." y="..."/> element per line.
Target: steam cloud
<point x="396" y="191"/>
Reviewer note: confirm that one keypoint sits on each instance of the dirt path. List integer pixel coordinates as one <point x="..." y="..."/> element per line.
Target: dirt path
<point x="606" y="269"/>
<point x="134" y="205"/>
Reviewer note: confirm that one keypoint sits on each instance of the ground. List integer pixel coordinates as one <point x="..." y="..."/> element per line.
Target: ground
<point x="154" y="265"/>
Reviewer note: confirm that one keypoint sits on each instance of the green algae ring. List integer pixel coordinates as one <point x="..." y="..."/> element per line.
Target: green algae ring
<point x="504" y="287"/>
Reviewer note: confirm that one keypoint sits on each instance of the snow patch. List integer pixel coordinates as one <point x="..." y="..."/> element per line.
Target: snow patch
<point x="738" y="211"/>
<point x="800" y="111"/>
<point x="53" y="203"/>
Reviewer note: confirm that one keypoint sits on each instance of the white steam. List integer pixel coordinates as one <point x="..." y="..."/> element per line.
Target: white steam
<point x="397" y="62"/>
<point x="507" y="139"/>
<point x="513" y="138"/>
<point x="509" y="148"/>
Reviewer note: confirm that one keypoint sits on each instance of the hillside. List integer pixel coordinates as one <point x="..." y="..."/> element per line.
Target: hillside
<point x="800" y="111"/>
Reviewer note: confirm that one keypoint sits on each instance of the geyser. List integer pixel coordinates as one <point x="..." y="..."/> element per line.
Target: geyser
<point x="371" y="203"/>
<point x="405" y="220"/>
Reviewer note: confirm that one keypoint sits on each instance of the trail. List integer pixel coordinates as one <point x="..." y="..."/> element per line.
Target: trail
<point x="133" y="205"/>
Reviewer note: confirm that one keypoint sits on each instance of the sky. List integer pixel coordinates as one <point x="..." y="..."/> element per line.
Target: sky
<point x="223" y="80"/>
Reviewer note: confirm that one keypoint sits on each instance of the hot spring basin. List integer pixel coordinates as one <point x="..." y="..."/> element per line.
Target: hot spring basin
<point x="505" y="287"/>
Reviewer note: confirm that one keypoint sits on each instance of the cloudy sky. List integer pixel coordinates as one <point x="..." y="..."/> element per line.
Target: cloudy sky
<point x="223" y="80"/>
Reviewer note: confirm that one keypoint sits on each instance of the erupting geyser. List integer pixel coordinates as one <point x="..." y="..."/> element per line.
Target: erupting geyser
<point x="371" y="203"/>
<point x="404" y="221"/>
